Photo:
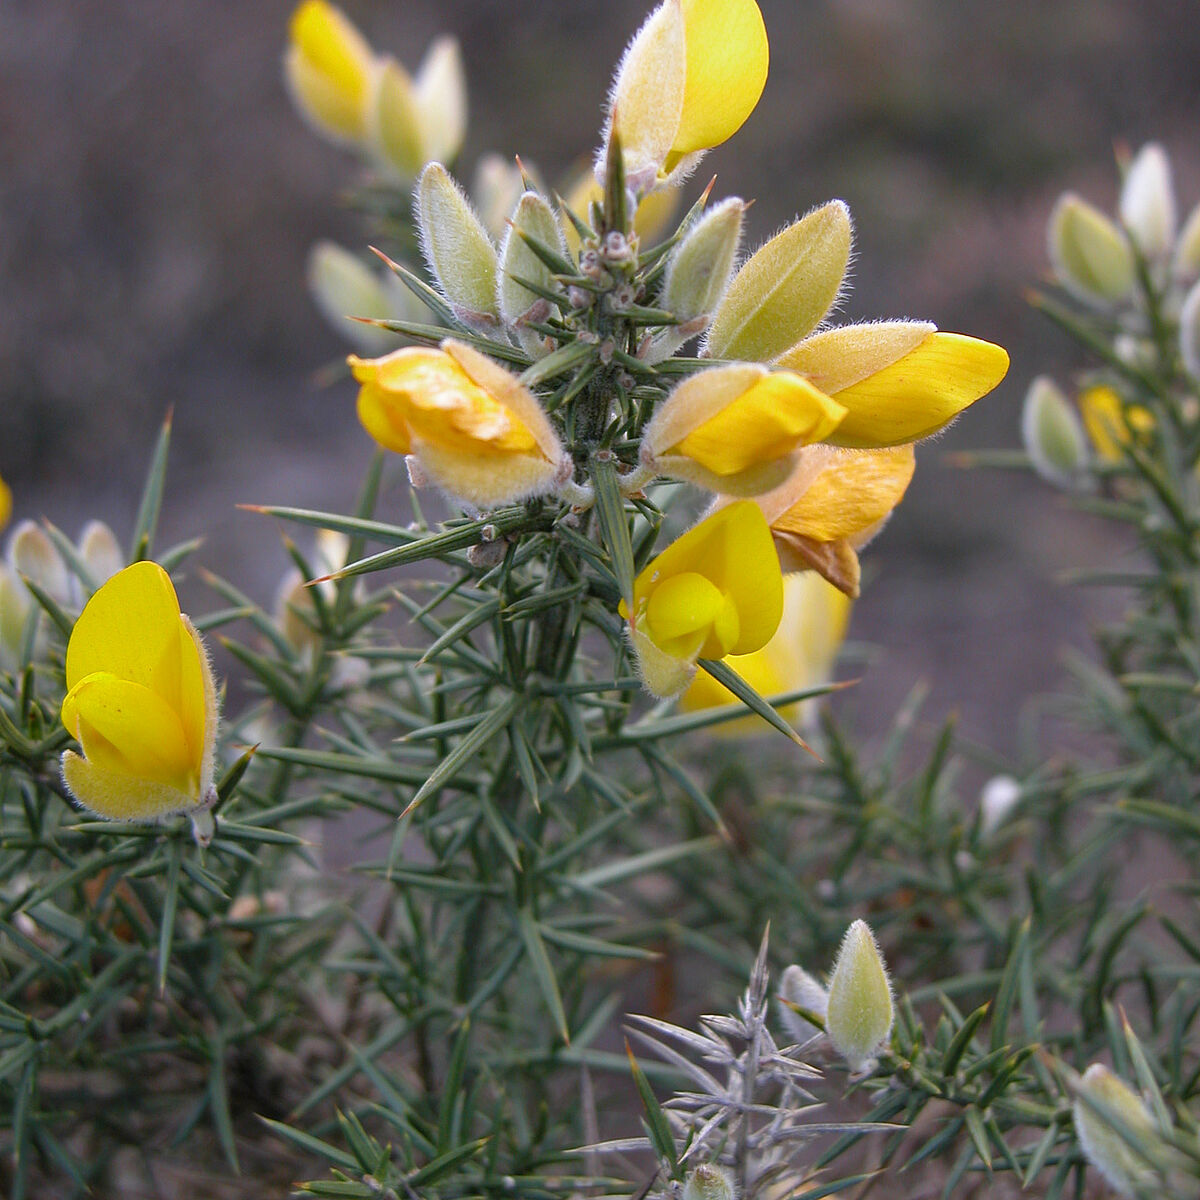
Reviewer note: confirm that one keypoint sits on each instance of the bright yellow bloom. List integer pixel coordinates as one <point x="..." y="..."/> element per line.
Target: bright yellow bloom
<point x="330" y="70"/>
<point x="799" y="655"/>
<point x="833" y="503"/>
<point x="689" y="79"/>
<point x="900" y="380"/>
<point x="1110" y="424"/>
<point x="735" y="429"/>
<point x="476" y="430"/>
<point x="715" y="591"/>
<point x="5" y="503"/>
<point x="141" y="701"/>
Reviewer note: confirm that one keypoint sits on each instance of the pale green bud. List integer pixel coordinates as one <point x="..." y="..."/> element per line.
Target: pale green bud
<point x="496" y="188"/>
<point x="1102" y="1145"/>
<point x="860" y="1013"/>
<point x="1090" y="255"/>
<point x="699" y="269"/>
<point x="456" y="246"/>
<point x="343" y="286"/>
<point x="100" y="551"/>
<point x="536" y="219"/>
<point x="785" y="289"/>
<point x="798" y="987"/>
<point x="1187" y="249"/>
<point x="440" y="92"/>
<point x="1189" y="331"/>
<point x="1147" y="204"/>
<point x="35" y="556"/>
<point x="394" y="122"/>
<point x="708" y="1182"/>
<point x="15" y="602"/>
<point x="1053" y="434"/>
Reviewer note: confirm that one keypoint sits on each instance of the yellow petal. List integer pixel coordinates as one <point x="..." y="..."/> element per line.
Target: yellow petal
<point x="126" y="728"/>
<point x="853" y="492"/>
<point x="118" y="796"/>
<point x="784" y="290"/>
<point x="681" y="612"/>
<point x="769" y="420"/>
<point x="131" y="629"/>
<point x="5" y="503"/>
<point x="727" y="55"/>
<point x="921" y="393"/>
<point x="1109" y="423"/>
<point x="837" y="358"/>
<point x="328" y="67"/>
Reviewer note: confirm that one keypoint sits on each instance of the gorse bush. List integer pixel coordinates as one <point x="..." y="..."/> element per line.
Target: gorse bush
<point x="653" y="461"/>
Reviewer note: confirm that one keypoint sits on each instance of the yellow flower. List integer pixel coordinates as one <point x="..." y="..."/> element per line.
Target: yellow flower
<point x="5" y="503"/>
<point x="735" y="429"/>
<point x="833" y="503"/>
<point x="476" y="430"/>
<point x="141" y="701"/>
<point x="900" y="381"/>
<point x="1110" y="424"/>
<point x="799" y="655"/>
<point x="330" y="71"/>
<point x="689" y="79"/>
<point x="715" y="591"/>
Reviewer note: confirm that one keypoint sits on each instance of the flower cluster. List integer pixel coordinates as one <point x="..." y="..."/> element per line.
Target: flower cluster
<point x="1139" y="276"/>
<point x="565" y="345"/>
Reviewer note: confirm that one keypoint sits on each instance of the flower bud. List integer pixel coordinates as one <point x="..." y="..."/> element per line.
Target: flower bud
<point x="734" y="429"/>
<point x="457" y="248"/>
<point x="698" y="272"/>
<point x="15" y="602"/>
<point x="1052" y="433"/>
<point x="999" y="798"/>
<point x="1102" y="1145"/>
<point x="1090" y="255"/>
<point x="536" y="219"/>
<point x="343" y="286"/>
<point x="798" y="987"/>
<point x="708" y="1182"/>
<point x="440" y="91"/>
<point x="785" y="289"/>
<point x="1147" y="204"/>
<point x="860" y="1013"/>
<point x="35" y="556"/>
<point x="329" y="69"/>
<point x="1189" y="331"/>
<point x="100" y="551"/>
<point x="394" y="122"/>
<point x="1187" y="249"/>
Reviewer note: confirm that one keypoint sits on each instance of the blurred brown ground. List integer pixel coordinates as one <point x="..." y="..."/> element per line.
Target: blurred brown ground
<point x="158" y="195"/>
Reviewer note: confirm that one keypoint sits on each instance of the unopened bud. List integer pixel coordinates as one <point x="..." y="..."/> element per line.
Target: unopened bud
<point x="1187" y="249"/>
<point x="15" y="602"/>
<point x="1105" y="1148"/>
<point x="496" y="187"/>
<point x="1147" y="204"/>
<point x="35" y="556"/>
<point x="860" y="1012"/>
<point x="343" y="286"/>
<point x="797" y="987"/>
<point x="1053" y="434"/>
<point x="998" y="799"/>
<point x="440" y="90"/>
<point x="1189" y="331"/>
<point x="100" y="551"/>
<point x="533" y="218"/>
<point x="394" y="122"/>
<point x="456" y="246"/>
<point x="1090" y="255"/>
<point x="700" y="267"/>
<point x="708" y="1182"/>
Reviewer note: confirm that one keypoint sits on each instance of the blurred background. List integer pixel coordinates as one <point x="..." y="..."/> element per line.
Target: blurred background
<point x="158" y="196"/>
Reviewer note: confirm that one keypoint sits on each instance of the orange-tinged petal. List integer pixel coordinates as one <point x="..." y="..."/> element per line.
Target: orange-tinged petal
<point x="919" y="394"/>
<point x="727" y="55"/>
<point x="124" y="727"/>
